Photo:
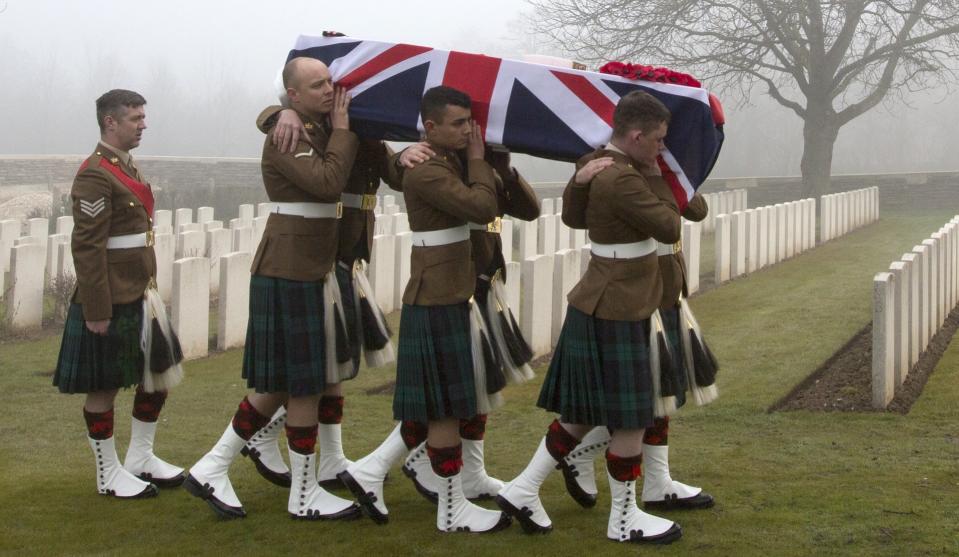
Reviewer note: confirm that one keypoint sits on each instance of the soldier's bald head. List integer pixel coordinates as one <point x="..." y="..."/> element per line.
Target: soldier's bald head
<point x="295" y="70"/>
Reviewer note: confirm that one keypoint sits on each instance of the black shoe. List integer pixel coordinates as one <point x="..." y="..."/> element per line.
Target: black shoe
<point x="205" y="492"/>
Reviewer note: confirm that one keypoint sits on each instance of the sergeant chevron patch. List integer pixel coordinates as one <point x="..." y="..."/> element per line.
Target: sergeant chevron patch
<point x="307" y="154"/>
<point x="92" y="208"/>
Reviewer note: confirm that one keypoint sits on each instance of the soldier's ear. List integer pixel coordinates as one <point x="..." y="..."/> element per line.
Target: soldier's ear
<point x="429" y="125"/>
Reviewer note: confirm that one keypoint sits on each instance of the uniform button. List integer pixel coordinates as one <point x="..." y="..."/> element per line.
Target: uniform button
<point x="131" y="204"/>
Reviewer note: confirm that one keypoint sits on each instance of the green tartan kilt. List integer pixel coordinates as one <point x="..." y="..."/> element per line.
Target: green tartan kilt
<point x="344" y="278"/>
<point x="434" y="364"/>
<point x="90" y="362"/>
<point x="285" y="339"/>
<point x="677" y="383"/>
<point x="599" y="374"/>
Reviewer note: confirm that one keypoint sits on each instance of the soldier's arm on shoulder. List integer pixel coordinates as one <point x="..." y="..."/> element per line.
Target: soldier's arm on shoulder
<point x="91" y="196"/>
<point x="575" y="200"/>
<point x="267" y="117"/>
<point x="320" y="173"/>
<point x="697" y="209"/>
<point x="635" y="203"/>
<point x="439" y="186"/>
<point x="521" y="200"/>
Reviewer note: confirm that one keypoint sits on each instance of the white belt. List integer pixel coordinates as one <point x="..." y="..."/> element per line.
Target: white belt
<point x="309" y="210"/>
<point x="668" y="249"/>
<point x="624" y="251"/>
<point x="442" y="237"/>
<point x="356" y="201"/>
<point x="127" y="241"/>
<point x="495" y="226"/>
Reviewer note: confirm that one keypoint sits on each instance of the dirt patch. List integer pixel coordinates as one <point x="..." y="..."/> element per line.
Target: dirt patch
<point x="844" y="382"/>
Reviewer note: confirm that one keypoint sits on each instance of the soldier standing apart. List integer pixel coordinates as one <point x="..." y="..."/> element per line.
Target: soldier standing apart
<point x="437" y="376"/>
<point x="600" y="374"/>
<point x="115" y="316"/>
<point x="291" y="351"/>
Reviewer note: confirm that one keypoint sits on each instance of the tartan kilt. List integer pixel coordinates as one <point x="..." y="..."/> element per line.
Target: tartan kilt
<point x="678" y="383"/>
<point x="285" y="348"/>
<point x="599" y="374"/>
<point x="88" y="362"/>
<point x="434" y="364"/>
<point x="354" y="331"/>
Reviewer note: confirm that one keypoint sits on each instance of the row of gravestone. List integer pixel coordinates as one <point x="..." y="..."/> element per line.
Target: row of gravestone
<point x="910" y="304"/>
<point x="536" y="284"/>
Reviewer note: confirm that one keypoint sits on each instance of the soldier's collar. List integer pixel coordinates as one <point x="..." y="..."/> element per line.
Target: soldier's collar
<point x="113" y="154"/>
<point x="617" y="154"/>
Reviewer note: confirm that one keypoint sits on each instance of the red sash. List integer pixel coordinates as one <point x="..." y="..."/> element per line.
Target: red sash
<point x="140" y="190"/>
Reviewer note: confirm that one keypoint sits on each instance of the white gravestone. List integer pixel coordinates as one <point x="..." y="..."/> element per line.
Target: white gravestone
<point x="191" y="305"/>
<point x="536" y="312"/>
<point x="883" y="381"/>
<point x="165" y="249"/>
<point x="24" y="297"/>
<point x="722" y="255"/>
<point x="233" y="302"/>
<point x="565" y="276"/>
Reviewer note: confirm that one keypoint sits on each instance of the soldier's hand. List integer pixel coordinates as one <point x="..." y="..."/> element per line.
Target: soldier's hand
<point x="98" y="327"/>
<point x="415" y="154"/>
<point x="498" y="157"/>
<point x="288" y="130"/>
<point x="650" y="168"/>
<point x="589" y="171"/>
<point x="339" y="116"/>
<point x="476" y="148"/>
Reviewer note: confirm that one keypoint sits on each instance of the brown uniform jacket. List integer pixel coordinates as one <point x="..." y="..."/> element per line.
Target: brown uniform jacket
<point x="673" y="267"/>
<point x="293" y="247"/>
<point x="439" y="195"/>
<point x="621" y="208"/>
<point x="373" y="162"/>
<point x="104" y="207"/>
<point x="515" y="197"/>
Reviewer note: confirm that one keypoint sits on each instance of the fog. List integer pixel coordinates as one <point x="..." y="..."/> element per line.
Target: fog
<point x="207" y="68"/>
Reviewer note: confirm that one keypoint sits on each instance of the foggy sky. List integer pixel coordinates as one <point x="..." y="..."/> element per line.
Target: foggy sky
<point x="207" y="68"/>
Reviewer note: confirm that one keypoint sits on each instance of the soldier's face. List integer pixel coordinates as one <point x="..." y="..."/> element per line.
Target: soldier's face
<point x="647" y="145"/>
<point x="452" y="131"/>
<point x="127" y="127"/>
<point x="314" y="91"/>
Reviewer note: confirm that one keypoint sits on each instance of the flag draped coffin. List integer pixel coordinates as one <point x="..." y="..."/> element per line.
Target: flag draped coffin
<point x="547" y="111"/>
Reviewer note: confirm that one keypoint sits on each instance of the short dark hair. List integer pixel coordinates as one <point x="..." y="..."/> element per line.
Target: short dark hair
<point x="434" y="103"/>
<point x="638" y="109"/>
<point x="110" y="103"/>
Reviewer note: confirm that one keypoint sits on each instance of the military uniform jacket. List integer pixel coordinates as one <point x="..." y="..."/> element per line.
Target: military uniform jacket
<point x="374" y="162"/>
<point x="440" y="195"/>
<point x="294" y="247"/>
<point x="672" y="267"/>
<point x="515" y="197"/>
<point x="620" y="208"/>
<point x="104" y="206"/>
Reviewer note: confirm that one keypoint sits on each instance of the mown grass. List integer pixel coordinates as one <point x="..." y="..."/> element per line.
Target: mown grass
<point x="796" y="483"/>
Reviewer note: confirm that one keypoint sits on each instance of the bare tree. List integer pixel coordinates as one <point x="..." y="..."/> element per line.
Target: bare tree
<point x="827" y="61"/>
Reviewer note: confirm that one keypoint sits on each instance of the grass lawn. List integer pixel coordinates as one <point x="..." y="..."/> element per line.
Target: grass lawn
<point x="796" y="483"/>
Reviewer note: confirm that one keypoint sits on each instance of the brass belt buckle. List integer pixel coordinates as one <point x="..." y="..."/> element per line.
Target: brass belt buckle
<point x="339" y="209"/>
<point x="151" y="238"/>
<point x="496" y="226"/>
<point x="368" y="203"/>
<point x="678" y="247"/>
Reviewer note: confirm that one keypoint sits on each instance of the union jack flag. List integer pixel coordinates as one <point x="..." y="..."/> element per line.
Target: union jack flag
<point x="547" y="111"/>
